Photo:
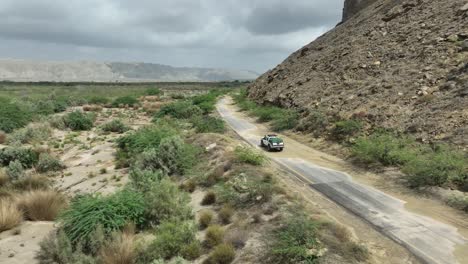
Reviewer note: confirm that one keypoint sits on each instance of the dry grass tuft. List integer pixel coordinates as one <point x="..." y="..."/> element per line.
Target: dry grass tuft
<point x="121" y="249"/>
<point x="10" y="216"/>
<point x="42" y="205"/>
<point x="205" y="219"/>
<point x="31" y="183"/>
<point x="92" y="108"/>
<point x="3" y="137"/>
<point x="4" y="179"/>
<point x="237" y="237"/>
<point x="214" y="235"/>
<point x="225" y="214"/>
<point x="209" y="198"/>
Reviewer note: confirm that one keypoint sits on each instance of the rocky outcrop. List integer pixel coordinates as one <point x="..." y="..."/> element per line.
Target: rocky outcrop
<point x="352" y="7"/>
<point x="33" y="71"/>
<point x="401" y="65"/>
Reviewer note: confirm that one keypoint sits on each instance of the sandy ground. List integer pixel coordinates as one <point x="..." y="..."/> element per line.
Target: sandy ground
<point x="85" y="158"/>
<point x="303" y="160"/>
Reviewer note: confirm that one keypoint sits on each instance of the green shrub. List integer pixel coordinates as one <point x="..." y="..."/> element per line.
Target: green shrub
<point x="289" y="119"/>
<point x="148" y="137"/>
<point x="179" y="109"/>
<point x="346" y="128"/>
<point x="191" y="251"/>
<point x="79" y="121"/>
<point x="171" y="239"/>
<point x="98" y="100"/>
<point x="26" y="156"/>
<point x="33" y="133"/>
<point x="267" y="113"/>
<point x="214" y="235"/>
<point x="153" y="92"/>
<point x="58" y="249"/>
<point x="225" y="214"/>
<point x="458" y="201"/>
<point x="316" y="122"/>
<point x="244" y="190"/>
<point x="173" y="156"/>
<point x="222" y="254"/>
<point x="205" y="219"/>
<point x="436" y="168"/>
<point x="143" y="180"/>
<point x="250" y="156"/>
<point x="112" y="213"/>
<point x="208" y="124"/>
<point x="165" y="202"/>
<point x="57" y="122"/>
<point x="206" y="102"/>
<point x="125" y="101"/>
<point x="48" y="163"/>
<point x="295" y="241"/>
<point x="384" y="148"/>
<point x="115" y="126"/>
<point x="12" y="116"/>
<point x="15" y="170"/>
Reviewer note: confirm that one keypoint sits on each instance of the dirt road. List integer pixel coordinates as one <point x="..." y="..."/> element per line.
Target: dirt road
<point x="429" y="240"/>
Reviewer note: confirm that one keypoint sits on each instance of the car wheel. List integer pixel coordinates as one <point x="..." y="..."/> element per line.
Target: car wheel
<point x="269" y="148"/>
<point x="261" y="144"/>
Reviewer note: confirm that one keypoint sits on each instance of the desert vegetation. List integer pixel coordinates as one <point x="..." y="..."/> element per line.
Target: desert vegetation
<point x="174" y="199"/>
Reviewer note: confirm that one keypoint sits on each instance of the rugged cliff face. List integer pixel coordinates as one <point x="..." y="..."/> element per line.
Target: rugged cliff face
<point x="352" y="7"/>
<point x="398" y="64"/>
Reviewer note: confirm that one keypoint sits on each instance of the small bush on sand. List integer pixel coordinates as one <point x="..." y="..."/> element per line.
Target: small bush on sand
<point x="345" y="129"/>
<point x="209" y="198"/>
<point x="33" y="133"/>
<point x="459" y="201"/>
<point x="31" y="183"/>
<point x="250" y="156"/>
<point x="113" y="212"/>
<point x="92" y="108"/>
<point x="57" y="122"/>
<point x="125" y="101"/>
<point x="145" y="138"/>
<point x="58" y="249"/>
<point x="171" y="238"/>
<point x="222" y="254"/>
<point x="99" y="100"/>
<point x="10" y="216"/>
<point x="205" y="219"/>
<point x="225" y="214"/>
<point x="166" y="202"/>
<point x="120" y="249"/>
<point x="26" y="156"/>
<point x="49" y="163"/>
<point x="115" y="126"/>
<point x="294" y="242"/>
<point x="214" y="235"/>
<point x="15" y="170"/>
<point x="79" y="121"/>
<point x="208" y="124"/>
<point x="179" y="109"/>
<point x="191" y="251"/>
<point x="41" y="205"/>
<point x="237" y="237"/>
<point x="173" y="156"/>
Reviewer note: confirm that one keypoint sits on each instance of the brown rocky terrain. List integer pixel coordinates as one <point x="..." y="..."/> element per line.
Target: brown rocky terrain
<point x="397" y="64"/>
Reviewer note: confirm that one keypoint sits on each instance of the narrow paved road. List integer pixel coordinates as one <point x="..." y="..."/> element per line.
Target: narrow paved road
<point x="431" y="241"/>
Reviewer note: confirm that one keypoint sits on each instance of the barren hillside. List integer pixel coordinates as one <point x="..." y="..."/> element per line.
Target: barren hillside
<point x="395" y="64"/>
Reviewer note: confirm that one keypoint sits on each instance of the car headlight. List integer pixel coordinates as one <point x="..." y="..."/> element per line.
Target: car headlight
<point x="281" y="144"/>
<point x="274" y="144"/>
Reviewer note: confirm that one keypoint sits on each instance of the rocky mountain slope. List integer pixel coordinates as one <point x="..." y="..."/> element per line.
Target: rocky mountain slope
<point x="22" y="70"/>
<point x="395" y="64"/>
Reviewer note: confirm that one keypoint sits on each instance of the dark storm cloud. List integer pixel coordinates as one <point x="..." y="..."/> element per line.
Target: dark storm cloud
<point x="253" y="34"/>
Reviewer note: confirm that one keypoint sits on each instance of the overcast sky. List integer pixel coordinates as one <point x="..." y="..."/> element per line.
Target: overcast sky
<point x="242" y="34"/>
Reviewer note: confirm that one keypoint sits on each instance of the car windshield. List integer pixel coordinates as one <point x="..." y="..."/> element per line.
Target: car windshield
<point x="276" y="140"/>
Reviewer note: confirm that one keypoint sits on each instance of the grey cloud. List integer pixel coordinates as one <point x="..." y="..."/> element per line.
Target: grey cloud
<point x="251" y="34"/>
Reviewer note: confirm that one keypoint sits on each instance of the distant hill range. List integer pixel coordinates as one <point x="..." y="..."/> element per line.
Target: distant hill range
<point x="86" y="71"/>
